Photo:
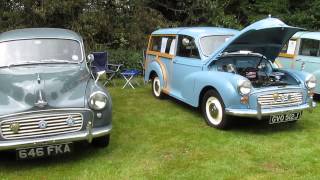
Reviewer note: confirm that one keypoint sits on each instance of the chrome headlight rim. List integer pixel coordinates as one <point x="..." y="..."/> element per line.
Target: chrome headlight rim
<point x="311" y="82"/>
<point x="92" y="103"/>
<point x="244" y="87"/>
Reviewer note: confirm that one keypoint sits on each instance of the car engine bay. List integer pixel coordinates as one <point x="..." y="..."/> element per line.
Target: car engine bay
<point x="256" y="68"/>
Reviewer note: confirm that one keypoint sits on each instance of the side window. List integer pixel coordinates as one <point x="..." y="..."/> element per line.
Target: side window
<point x="155" y="43"/>
<point x="163" y="44"/>
<point x="309" y="47"/>
<point x="187" y="47"/>
<point x="289" y="48"/>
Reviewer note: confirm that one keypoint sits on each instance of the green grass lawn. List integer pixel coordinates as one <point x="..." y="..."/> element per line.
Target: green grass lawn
<point x="166" y="139"/>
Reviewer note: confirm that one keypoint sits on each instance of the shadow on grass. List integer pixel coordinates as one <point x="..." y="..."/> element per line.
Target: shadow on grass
<point x="254" y="126"/>
<point x="316" y="97"/>
<point x="81" y="151"/>
<point x="245" y="125"/>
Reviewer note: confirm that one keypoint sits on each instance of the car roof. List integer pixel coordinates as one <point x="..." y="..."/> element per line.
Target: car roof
<point x="196" y="32"/>
<point x="307" y="35"/>
<point x="34" y="33"/>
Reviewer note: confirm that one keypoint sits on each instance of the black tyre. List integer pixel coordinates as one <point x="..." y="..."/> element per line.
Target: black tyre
<point x="102" y="141"/>
<point x="213" y="110"/>
<point x="156" y="88"/>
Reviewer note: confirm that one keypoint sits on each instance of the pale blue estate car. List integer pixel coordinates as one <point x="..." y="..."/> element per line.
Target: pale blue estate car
<point x="228" y="72"/>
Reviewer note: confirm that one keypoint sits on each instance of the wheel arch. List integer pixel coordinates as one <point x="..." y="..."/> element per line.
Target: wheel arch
<point x="154" y="68"/>
<point x="203" y="91"/>
<point x="152" y="74"/>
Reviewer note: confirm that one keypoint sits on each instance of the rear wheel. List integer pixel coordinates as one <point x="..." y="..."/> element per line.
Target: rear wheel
<point x="102" y="141"/>
<point x="213" y="110"/>
<point x="156" y="88"/>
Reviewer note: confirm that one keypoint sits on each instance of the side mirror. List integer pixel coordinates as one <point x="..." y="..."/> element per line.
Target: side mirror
<point x="90" y="58"/>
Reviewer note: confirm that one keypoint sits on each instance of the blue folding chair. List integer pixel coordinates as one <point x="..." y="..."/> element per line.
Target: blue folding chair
<point x="101" y="65"/>
<point x="129" y="76"/>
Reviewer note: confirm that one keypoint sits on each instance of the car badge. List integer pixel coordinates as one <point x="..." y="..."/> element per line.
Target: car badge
<point x="41" y="103"/>
<point x="14" y="127"/>
<point x="275" y="96"/>
<point x="70" y="121"/>
<point x="284" y="97"/>
<point x="43" y="124"/>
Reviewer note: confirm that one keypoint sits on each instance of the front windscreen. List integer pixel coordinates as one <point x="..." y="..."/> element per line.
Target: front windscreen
<point x="32" y="51"/>
<point x="210" y="43"/>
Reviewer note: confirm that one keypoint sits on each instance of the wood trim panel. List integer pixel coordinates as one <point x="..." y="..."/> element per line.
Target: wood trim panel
<point x="165" y="55"/>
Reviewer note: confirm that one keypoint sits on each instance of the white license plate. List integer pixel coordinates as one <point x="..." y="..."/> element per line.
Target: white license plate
<point x="43" y="151"/>
<point x="284" y="117"/>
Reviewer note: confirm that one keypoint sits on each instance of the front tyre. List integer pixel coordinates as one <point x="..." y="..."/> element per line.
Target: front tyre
<point x="102" y="141"/>
<point x="156" y="88"/>
<point x="213" y="110"/>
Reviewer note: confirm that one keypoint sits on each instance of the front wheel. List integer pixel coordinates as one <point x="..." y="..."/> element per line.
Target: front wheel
<point x="156" y="88"/>
<point x="213" y="110"/>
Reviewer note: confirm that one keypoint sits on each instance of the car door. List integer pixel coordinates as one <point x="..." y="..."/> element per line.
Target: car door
<point x="186" y="62"/>
<point x="162" y="50"/>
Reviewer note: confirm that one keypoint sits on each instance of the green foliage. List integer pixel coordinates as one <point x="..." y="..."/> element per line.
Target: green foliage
<point x="129" y="58"/>
<point x="126" y="24"/>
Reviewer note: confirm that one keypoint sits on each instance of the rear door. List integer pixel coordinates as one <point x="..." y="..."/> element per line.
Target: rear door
<point x="162" y="49"/>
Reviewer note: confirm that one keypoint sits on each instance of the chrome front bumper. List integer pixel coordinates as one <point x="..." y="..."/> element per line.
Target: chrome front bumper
<point x="88" y="135"/>
<point x="259" y="113"/>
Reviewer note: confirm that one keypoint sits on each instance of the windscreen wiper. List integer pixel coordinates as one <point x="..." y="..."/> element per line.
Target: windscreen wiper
<point x="57" y="61"/>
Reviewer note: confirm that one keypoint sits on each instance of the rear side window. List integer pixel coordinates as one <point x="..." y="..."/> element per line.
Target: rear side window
<point x="289" y="48"/>
<point x="163" y="44"/>
<point x="309" y="47"/>
<point x="187" y="47"/>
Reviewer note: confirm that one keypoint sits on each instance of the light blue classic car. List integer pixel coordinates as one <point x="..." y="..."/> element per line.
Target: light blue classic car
<point x="48" y="97"/>
<point x="226" y="72"/>
<point x="302" y="52"/>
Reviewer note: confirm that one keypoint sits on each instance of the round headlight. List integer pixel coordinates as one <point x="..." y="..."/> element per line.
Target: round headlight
<point x="311" y="82"/>
<point x="98" y="100"/>
<point x="244" y="87"/>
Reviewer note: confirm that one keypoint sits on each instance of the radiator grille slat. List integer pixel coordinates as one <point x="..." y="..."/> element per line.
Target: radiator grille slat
<point x="56" y="123"/>
<point x="276" y="100"/>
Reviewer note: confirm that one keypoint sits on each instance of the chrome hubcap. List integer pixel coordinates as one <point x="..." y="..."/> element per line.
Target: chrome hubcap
<point x="214" y="110"/>
<point x="156" y="86"/>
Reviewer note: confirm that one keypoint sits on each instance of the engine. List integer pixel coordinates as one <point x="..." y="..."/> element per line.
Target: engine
<point x="258" y="70"/>
<point x="259" y="78"/>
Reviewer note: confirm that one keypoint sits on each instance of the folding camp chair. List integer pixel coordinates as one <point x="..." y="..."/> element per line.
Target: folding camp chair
<point x="129" y="75"/>
<point x="101" y="65"/>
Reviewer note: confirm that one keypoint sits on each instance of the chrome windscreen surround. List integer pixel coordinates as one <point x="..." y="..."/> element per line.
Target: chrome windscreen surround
<point x="281" y="99"/>
<point x="41" y="124"/>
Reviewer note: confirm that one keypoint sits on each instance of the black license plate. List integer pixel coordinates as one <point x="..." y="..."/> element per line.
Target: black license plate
<point x="280" y="118"/>
<point x="43" y="151"/>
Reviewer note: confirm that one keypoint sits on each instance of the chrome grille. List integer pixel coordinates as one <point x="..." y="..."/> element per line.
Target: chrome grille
<point x="29" y="126"/>
<point x="275" y="100"/>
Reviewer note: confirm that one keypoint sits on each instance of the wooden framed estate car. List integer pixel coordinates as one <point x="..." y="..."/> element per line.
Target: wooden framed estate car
<point x="228" y="72"/>
<point x="302" y="52"/>
<point x="48" y="97"/>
